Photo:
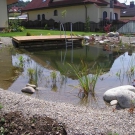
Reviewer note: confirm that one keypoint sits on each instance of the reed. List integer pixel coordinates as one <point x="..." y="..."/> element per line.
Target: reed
<point x="21" y="61"/>
<point x="53" y="75"/>
<point x="31" y="73"/>
<point x="86" y="80"/>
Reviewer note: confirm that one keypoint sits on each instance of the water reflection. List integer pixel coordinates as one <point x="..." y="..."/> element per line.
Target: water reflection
<point x="44" y="63"/>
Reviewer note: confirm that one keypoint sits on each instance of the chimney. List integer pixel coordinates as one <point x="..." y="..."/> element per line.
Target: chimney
<point x="131" y="4"/>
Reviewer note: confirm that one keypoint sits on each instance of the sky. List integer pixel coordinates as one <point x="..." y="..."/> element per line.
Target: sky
<point x="128" y="1"/>
<point x="26" y="0"/>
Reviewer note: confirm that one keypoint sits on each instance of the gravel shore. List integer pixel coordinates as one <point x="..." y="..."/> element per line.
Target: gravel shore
<point x="78" y="120"/>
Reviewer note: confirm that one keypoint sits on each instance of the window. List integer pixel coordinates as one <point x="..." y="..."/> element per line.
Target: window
<point x="104" y="15"/>
<point x="110" y="16"/>
<point x="55" y="13"/>
<point x="115" y="16"/>
<point x="38" y="17"/>
<point x="43" y="16"/>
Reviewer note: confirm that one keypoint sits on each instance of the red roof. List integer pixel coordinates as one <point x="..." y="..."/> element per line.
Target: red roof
<point x="39" y="4"/>
<point x="119" y="5"/>
<point x="15" y="9"/>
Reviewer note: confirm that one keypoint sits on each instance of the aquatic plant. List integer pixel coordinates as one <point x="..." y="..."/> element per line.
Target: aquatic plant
<point x="31" y="72"/>
<point x="119" y="75"/>
<point x="130" y="72"/>
<point x="53" y="75"/>
<point x="21" y="61"/>
<point x="87" y="81"/>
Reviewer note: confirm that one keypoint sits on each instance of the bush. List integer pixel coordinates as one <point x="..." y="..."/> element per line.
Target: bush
<point x="15" y="26"/>
<point x="20" y="28"/>
<point x="28" y="34"/>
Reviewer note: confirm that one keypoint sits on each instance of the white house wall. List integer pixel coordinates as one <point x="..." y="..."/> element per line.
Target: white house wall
<point x="3" y="14"/>
<point x="117" y="11"/>
<point x="93" y="12"/>
<point x="74" y="13"/>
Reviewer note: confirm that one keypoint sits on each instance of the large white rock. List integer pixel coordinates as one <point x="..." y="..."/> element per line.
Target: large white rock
<point x="28" y="90"/>
<point x="126" y="99"/>
<point x="125" y="95"/>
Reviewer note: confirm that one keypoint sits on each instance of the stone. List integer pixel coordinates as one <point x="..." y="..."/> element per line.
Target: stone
<point x="110" y="34"/>
<point x="28" y="89"/>
<point x="126" y="99"/>
<point x="125" y="95"/>
<point x="31" y="85"/>
<point x="113" y="102"/>
<point x="133" y="42"/>
<point x="116" y="34"/>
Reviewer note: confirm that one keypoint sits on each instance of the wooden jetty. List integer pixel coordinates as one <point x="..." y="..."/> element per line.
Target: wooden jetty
<point x="53" y="41"/>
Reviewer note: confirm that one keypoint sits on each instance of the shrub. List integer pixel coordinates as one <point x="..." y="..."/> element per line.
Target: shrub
<point x="28" y="34"/>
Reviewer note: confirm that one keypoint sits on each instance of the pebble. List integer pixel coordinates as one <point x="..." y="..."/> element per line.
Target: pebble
<point x="113" y="102"/>
<point x="77" y="119"/>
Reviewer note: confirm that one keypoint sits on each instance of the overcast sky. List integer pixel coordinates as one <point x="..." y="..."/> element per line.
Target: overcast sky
<point x="26" y="0"/>
<point x="128" y="1"/>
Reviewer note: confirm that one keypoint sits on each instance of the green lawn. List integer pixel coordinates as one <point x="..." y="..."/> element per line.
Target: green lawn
<point x="43" y="32"/>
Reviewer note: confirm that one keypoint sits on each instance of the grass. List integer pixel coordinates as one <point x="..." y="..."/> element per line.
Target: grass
<point x="44" y="32"/>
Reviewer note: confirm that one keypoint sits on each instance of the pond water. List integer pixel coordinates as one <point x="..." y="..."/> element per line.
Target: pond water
<point x="118" y="70"/>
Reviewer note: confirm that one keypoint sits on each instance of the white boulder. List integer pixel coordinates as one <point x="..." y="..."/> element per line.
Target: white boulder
<point x="28" y="89"/>
<point x="125" y="95"/>
<point x="112" y="34"/>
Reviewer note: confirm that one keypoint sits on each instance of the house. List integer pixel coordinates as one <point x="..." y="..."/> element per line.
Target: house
<point x="15" y="9"/>
<point x="3" y="12"/>
<point x="128" y="13"/>
<point x="76" y="10"/>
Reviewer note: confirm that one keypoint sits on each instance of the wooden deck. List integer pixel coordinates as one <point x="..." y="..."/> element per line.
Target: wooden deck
<point x="45" y="41"/>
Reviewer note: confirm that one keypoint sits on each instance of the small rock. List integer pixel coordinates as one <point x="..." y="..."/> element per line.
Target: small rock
<point x="31" y="85"/>
<point x="28" y="90"/>
<point x="113" y="102"/>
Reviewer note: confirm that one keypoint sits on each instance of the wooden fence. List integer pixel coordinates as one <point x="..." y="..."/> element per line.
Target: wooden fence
<point x="78" y="26"/>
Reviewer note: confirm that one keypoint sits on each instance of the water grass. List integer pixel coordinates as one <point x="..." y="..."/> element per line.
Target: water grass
<point x="86" y="80"/>
<point x="31" y="73"/>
